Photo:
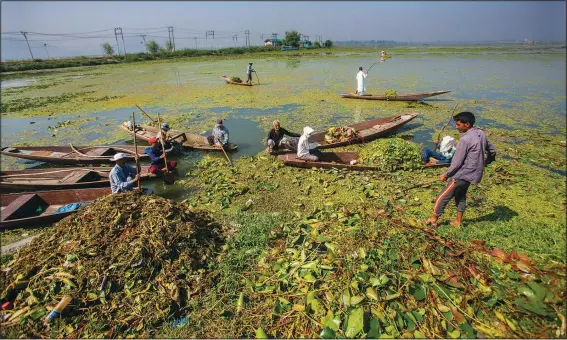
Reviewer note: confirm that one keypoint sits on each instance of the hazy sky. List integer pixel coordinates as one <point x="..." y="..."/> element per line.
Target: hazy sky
<point x="381" y="20"/>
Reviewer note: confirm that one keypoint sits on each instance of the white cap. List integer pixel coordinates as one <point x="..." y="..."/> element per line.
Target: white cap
<point x="118" y="156"/>
<point x="307" y="130"/>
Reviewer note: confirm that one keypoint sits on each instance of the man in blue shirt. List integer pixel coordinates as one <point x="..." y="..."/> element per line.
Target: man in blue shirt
<point x="123" y="177"/>
<point x="157" y="158"/>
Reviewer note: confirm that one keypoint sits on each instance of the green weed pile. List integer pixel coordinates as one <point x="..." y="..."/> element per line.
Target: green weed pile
<point x="391" y="154"/>
<point x="129" y="262"/>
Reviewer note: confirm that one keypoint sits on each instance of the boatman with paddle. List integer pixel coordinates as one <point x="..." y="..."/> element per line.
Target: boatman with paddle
<point x="474" y="152"/>
<point x="157" y="155"/>
<point x="249" y="71"/>
<point x="360" y="81"/>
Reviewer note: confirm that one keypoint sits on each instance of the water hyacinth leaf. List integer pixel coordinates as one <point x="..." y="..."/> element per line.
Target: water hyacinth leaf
<point x="327" y="333"/>
<point x="418" y="335"/>
<point x="374" y="331"/>
<point x="298" y="308"/>
<point x="469" y="331"/>
<point x="346" y="298"/>
<point x="355" y="323"/>
<point x="240" y="303"/>
<point x="260" y="334"/>
<point x="418" y="292"/>
<point x="455" y="334"/>
<point x="539" y="290"/>
<point x="355" y="300"/>
<point x="371" y="293"/>
<point x="392" y="296"/>
<point x="331" y="321"/>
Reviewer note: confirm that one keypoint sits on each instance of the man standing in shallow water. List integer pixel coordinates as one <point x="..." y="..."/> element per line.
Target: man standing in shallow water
<point x="467" y="166"/>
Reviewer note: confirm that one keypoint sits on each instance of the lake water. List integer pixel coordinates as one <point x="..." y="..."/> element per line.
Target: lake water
<point x="506" y="90"/>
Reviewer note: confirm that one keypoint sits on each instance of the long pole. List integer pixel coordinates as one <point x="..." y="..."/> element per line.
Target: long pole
<point x="25" y="36"/>
<point x="446" y="124"/>
<point x="167" y="177"/>
<point x="136" y="148"/>
<point x="144" y="112"/>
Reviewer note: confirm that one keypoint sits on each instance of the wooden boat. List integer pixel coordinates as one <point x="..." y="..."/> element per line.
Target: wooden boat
<point x="75" y="155"/>
<point x="32" y="209"/>
<point x="366" y="131"/>
<point x="338" y="160"/>
<point x="194" y="141"/>
<point x="58" y="178"/>
<point x="229" y="81"/>
<point x="400" y="97"/>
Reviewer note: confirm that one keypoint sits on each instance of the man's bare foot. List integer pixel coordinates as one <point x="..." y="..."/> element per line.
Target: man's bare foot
<point x="431" y="221"/>
<point x="456" y="224"/>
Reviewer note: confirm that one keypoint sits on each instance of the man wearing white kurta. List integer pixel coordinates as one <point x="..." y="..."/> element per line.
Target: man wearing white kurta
<point x="360" y="76"/>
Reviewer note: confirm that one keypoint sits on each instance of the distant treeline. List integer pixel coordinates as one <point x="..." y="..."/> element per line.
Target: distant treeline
<point x="41" y="64"/>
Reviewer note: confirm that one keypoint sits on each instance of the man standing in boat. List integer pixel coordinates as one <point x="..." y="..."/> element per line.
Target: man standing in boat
<point x="360" y="81"/>
<point x="467" y="166"/>
<point x="249" y="71"/>
<point x="123" y="176"/>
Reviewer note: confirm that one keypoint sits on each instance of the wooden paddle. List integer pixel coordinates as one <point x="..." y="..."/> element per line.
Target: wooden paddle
<point x="138" y="169"/>
<point x="144" y="112"/>
<point x="228" y="159"/>
<point x="168" y="177"/>
<point x="444" y="126"/>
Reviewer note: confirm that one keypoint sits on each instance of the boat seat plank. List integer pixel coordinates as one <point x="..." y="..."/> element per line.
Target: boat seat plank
<point x="51" y="209"/>
<point x="99" y="152"/>
<point x="80" y="176"/>
<point x="21" y="205"/>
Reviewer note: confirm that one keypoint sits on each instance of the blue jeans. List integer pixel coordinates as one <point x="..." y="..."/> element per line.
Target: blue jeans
<point x="427" y="153"/>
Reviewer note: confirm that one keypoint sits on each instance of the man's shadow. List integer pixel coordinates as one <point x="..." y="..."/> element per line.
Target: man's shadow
<point x="501" y="213"/>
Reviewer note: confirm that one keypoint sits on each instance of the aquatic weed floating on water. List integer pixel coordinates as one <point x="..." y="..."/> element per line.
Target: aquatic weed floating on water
<point x="129" y="262"/>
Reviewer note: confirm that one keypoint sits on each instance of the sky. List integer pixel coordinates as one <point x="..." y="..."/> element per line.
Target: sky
<point x="402" y="21"/>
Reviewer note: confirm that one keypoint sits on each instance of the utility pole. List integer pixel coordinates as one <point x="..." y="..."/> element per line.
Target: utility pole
<point x="45" y="46"/>
<point x="120" y="28"/>
<point x="196" y="46"/>
<point x="247" y="32"/>
<point x="207" y="33"/>
<point x="171" y="37"/>
<point x="275" y="35"/>
<point x="24" y="33"/>
<point x="143" y="37"/>
<point x="116" y="36"/>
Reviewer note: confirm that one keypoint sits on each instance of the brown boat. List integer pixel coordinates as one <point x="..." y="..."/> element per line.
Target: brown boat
<point x="366" y="131"/>
<point x="229" y="81"/>
<point x="338" y="160"/>
<point x="194" y="141"/>
<point x="38" y="208"/>
<point x="400" y="97"/>
<point x="75" y="155"/>
<point x="58" y="178"/>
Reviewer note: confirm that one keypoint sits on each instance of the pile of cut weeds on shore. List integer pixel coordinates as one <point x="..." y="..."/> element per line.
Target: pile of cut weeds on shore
<point x="129" y="262"/>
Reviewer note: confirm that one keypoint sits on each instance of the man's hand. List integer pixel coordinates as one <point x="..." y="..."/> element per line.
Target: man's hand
<point x="162" y="156"/>
<point x="136" y="178"/>
<point x="443" y="177"/>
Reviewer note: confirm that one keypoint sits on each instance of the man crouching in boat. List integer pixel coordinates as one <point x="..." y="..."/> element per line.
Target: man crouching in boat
<point x="219" y="135"/>
<point x="277" y="139"/>
<point x="169" y="140"/>
<point x="123" y="177"/>
<point x="303" y="151"/>
<point x="157" y="156"/>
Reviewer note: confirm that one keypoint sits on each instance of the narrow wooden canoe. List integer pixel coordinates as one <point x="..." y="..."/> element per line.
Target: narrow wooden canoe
<point x="367" y="131"/>
<point x="58" y="178"/>
<point x="32" y="209"/>
<point x="194" y="141"/>
<point x="83" y="155"/>
<point x="338" y="160"/>
<point x="400" y="97"/>
<point x="228" y="81"/>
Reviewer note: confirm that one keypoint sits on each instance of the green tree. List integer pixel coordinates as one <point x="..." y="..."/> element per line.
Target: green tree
<point x="317" y="44"/>
<point x="168" y="46"/>
<point x="328" y="43"/>
<point x="153" y="47"/>
<point x="292" y="38"/>
<point x="108" y="50"/>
